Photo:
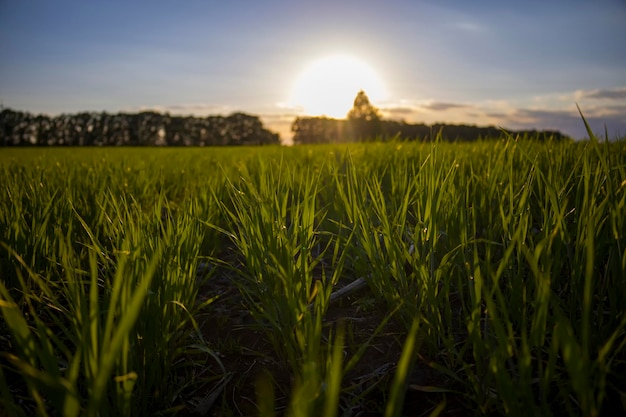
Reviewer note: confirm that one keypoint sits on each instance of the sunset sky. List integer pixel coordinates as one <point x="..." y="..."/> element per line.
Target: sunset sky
<point x="508" y="63"/>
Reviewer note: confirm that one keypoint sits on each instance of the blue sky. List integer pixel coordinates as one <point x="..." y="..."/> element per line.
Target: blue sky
<point x="508" y="63"/>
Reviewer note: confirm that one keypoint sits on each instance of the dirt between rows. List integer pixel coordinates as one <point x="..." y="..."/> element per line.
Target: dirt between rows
<point x="248" y="356"/>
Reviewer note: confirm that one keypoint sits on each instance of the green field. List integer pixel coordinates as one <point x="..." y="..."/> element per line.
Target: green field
<point x="143" y="281"/>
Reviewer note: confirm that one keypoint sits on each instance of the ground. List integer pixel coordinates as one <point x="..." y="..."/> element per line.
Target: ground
<point x="247" y="355"/>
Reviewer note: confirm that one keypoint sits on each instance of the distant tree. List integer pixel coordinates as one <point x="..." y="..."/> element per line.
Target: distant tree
<point x="363" y="110"/>
<point x="364" y="118"/>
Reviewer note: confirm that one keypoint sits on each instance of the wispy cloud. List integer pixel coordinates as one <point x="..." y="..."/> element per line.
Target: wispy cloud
<point x="566" y="121"/>
<point x="548" y="112"/>
<point x="198" y="109"/>
<point x="400" y="111"/>
<point x="442" y="106"/>
<point x="604" y="94"/>
<point x="617" y="108"/>
<point x="414" y="109"/>
<point x="467" y="26"/>
<point x="195" y="109"/>
<point x="496" y="115"/>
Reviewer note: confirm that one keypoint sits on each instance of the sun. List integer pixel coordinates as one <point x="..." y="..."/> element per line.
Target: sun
<point x="329" y="85"/>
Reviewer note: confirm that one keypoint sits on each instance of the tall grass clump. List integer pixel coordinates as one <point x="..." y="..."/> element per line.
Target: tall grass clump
<point x="399" y="214"/>
<point x="531" y="272"/>
<point x="274" y="223"/>
<point x="511" y="255"/>
<point x="99" y="291"/>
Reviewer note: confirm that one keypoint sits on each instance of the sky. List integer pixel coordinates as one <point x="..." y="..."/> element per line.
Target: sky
<point x="519" y="65"/>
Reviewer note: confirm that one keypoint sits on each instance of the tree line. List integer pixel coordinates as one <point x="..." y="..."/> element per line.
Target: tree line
<point x="313" y="130"/>
<point x="364" y="123"/>
<point x="131" y="129"/>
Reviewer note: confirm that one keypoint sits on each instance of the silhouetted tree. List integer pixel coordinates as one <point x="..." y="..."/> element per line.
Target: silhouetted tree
<point x="364" y="118"/>
<point x="363" y="109"/>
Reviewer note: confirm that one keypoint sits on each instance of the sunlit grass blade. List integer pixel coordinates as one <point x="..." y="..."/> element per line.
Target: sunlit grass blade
<point x="400" y="379"/>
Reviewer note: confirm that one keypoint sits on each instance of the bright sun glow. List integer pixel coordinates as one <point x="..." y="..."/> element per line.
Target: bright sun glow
<point x="328" y="86"/>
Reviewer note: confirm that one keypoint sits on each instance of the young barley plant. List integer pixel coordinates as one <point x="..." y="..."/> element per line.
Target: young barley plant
<point x="97" y="304"/>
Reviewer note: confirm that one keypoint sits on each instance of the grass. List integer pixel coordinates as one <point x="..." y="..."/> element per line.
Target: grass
<point x="494" y="276"/>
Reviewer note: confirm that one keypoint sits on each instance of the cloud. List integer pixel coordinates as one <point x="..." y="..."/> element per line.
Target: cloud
<point x="289" y="108"/>
<point x="496" y="115"/>
<point x="198" y="108"/>
<point x="566" y="121"/>
<point x="415" y="108"/>
<point x="279" y="116"/>
<point x="617" y="108"/>
<point x="618" y="93"/>
<point x="195" y="109"/>
<point x="541" y="113"/>
<point x="441" y="106"/>
<point x="399" y="110"/>
<point x="541" y="116"/>
<point x="469" y="27"/>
